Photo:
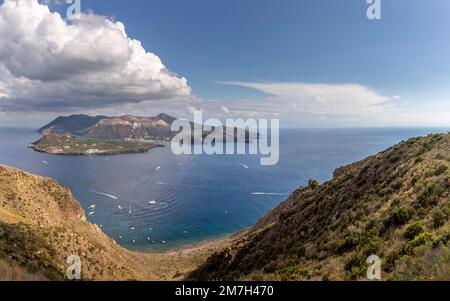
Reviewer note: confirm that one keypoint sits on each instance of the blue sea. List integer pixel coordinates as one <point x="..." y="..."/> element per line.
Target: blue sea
<point x="197" y="197"/>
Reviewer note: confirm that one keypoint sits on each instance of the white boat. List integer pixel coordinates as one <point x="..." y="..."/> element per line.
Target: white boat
<point x="132" y="228"/>
<point x="152" y="203"/>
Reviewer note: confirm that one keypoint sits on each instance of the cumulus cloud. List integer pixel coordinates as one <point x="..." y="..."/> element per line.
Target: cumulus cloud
<point x="49" y="63"/>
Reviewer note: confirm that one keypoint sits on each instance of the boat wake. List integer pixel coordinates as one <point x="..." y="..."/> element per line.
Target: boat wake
<point x="269" y="193"/>
<point x="105" y="195"/>
<point x="243" y="165"/>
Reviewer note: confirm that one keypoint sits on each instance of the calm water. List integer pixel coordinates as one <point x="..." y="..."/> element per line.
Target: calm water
<point x="197" y="197"/>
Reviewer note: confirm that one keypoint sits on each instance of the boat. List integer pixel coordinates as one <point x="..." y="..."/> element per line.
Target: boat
<point x="152" y="203"/>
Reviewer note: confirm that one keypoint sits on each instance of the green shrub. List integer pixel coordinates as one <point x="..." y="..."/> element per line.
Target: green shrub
<point x="397" y="183"/>
<point x="442" y="168"/>
<point x="348" y="243"/>
<point x="313" y="184"/>
<point x="371" y="246"/>
<point x="429" y="196"/>
<point x="399" y="216"/>
<point x="439" y="218"/>
<point x="356" y="266"/>
<point x="294" y="273"/>
<point x="415" y="179"/>
<point x="442" y="240"/>
<point x="395" y="201"/>
<point x="394" y="159"/>
<point x="391" y="259"/>
<point x="383" y="192"/>
<point x="412" y="231"/>
<point x="419" y="240"/>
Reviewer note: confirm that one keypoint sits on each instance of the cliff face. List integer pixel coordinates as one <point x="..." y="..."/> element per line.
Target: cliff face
<point x="130" y="127"/>
<point x="394" y="205"/>
<point x="41" y="224"/>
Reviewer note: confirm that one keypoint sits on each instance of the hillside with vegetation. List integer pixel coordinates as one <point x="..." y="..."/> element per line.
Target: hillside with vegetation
<point x="42" y="224"/>
<point x="394" y="205"/>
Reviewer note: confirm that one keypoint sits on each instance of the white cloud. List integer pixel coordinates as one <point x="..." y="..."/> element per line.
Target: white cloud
<point x="345" y="100"/>
<point x="318" y="104"/>
<point x="48" y="63"/>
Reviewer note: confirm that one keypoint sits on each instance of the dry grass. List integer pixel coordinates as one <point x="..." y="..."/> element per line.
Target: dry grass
<point x="13" y="272"/>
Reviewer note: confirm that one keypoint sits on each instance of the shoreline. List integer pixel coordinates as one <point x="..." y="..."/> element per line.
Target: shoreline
<point x="67" y="145"/>
<point x="207" y="243"/>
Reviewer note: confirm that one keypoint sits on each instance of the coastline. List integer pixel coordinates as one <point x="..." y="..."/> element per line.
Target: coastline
<point x="67" y="145"/>
<point x="208" y="243"/>
<point x="177" y="264"/>
<point x="97" y="154"/>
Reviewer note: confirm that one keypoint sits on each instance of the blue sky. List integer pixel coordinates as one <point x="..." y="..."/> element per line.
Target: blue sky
<point x="406" y="53"/>
<point x="227" y="49"/>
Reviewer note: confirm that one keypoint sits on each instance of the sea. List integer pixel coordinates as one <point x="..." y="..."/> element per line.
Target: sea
<point x="158" y="201"/>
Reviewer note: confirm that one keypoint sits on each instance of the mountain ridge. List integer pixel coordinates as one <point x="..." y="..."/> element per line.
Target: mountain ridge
<point x="129" y="127"/>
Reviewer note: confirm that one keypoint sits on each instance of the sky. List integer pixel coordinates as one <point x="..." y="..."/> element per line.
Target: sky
<point x="309" y="63"/>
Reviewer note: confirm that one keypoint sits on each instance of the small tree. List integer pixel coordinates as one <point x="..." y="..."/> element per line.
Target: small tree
<point x="313" y="184"/>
